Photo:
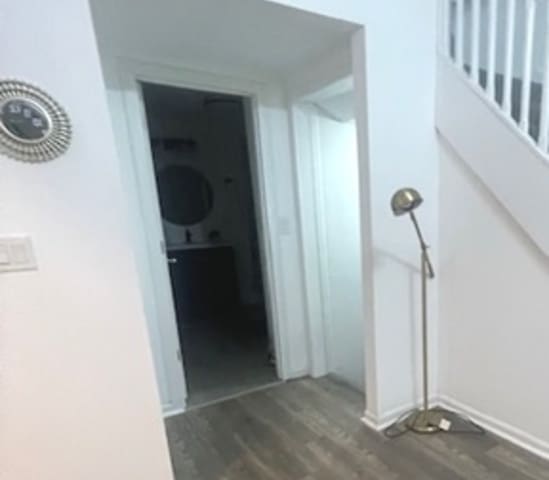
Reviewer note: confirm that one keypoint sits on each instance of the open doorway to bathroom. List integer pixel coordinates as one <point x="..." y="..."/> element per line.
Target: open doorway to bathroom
<point x="202" y="148"/>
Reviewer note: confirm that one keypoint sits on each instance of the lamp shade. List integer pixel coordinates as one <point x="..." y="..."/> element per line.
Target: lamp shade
<point x="405" y="200"/>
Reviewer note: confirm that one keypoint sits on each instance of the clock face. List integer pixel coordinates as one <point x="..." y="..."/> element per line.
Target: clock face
<point x="24" y="120"/>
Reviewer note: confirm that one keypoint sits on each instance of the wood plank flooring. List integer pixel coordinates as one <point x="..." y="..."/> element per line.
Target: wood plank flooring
<point x="310" y="430"/>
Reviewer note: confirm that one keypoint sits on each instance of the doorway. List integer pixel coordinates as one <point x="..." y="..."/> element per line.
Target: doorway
<point x="326" y="146"/>
<point x="339" y="227"/>
<point x="202" y="153"/>
<point x="244" y="56"/>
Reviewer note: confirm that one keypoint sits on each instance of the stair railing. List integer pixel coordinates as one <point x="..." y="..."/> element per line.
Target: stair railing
<point x="502" y="46"/>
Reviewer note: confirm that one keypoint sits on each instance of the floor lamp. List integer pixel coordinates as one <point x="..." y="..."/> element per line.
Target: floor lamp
<point x="424" y="420"/>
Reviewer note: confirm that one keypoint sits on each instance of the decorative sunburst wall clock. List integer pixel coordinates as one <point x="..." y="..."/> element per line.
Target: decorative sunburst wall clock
<point x="33" y="126"/>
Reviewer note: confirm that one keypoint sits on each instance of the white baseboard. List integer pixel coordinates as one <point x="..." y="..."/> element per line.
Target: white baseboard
<point x="370" y="421"/>
<point x="173" y="412"/>
<point x="296" y="374"/>
<point x="502" y="429"/>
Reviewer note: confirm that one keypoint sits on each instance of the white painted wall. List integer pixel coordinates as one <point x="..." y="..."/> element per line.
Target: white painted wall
<point x="395" y="99"/>
<point x="494" y="265"/>
<point x="499" y="153"/>
<point x="340" y="227"/>
<point x="493" y="308"/>
<point x="78" y="396"/>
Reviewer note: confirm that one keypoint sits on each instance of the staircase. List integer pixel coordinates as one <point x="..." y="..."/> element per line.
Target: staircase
<point x="493" y="100"/>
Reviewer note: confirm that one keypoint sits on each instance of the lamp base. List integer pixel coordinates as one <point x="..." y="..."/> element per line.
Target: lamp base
<point x="430" y="421"/>
<point x="424" y="421"/>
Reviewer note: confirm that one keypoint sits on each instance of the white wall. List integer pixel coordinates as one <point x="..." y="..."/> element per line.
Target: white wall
<point x="395" y="97"/>
<point x="78" y="396"/>
<point x="493" y="308"/>
<point x="340" y="227"/>
<point x="494" y="265"/>
<point x="499" y="153"/>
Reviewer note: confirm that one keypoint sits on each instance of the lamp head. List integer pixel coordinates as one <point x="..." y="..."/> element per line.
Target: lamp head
<point x="405" y="200"/>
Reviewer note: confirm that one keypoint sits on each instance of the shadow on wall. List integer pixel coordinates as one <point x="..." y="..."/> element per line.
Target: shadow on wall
<point x="409" y="287"/>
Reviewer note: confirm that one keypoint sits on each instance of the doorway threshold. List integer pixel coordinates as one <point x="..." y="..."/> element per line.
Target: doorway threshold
<point x="234" y="395"/>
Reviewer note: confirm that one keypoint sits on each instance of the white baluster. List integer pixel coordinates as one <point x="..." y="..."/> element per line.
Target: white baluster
<point x="492" y="31"/>
<point x="459" y="33"/>
<point x="527" y="65"/>
<point x="475" y="39"/>
<point x="446" y="27"/>
<point x="509" y="52"/>
<point x="544" y="118"/>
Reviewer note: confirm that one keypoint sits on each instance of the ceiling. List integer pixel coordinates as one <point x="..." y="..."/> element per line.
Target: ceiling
<point x="252" y="35"/>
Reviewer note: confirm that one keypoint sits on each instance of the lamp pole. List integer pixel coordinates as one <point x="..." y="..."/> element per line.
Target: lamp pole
<point x="422" y="422"/>
<point x="424" y="260"/>
<point x="426" y="270"/>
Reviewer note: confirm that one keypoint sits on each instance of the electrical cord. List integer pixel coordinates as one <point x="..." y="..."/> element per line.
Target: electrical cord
<point x="398" y="428"/>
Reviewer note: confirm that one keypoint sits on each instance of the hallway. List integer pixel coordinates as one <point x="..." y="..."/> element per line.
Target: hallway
<point x="310" y="430"/>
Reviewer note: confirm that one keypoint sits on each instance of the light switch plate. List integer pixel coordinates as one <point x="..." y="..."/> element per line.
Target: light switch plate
<point x="16" y="253"/>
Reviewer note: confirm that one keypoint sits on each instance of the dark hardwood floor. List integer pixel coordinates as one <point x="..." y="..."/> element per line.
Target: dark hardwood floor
<point x="311" y="430"/>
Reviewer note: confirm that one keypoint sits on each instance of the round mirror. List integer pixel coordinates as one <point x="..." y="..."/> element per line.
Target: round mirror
<point x="186" y="196"/>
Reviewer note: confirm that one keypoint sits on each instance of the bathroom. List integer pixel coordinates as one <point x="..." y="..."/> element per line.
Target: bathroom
<point x="202" y="144"/>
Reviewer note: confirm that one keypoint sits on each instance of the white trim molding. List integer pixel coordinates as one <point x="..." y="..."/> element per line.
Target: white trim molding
<point x="388" y="418"/>
<point x="502" y="429"/>
<point x="509" y="432"/>
<point x="307" y="173"/>
<point x="134" y="146"/>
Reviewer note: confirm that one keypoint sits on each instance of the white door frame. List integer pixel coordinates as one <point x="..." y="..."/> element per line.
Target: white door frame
<point x="313" y="247"/>
<point x="161" y="318"/>
<point x="311" y="185"/>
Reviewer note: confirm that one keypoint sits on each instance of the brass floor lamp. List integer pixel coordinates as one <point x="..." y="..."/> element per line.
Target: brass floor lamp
<point x="424" y="420"/>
